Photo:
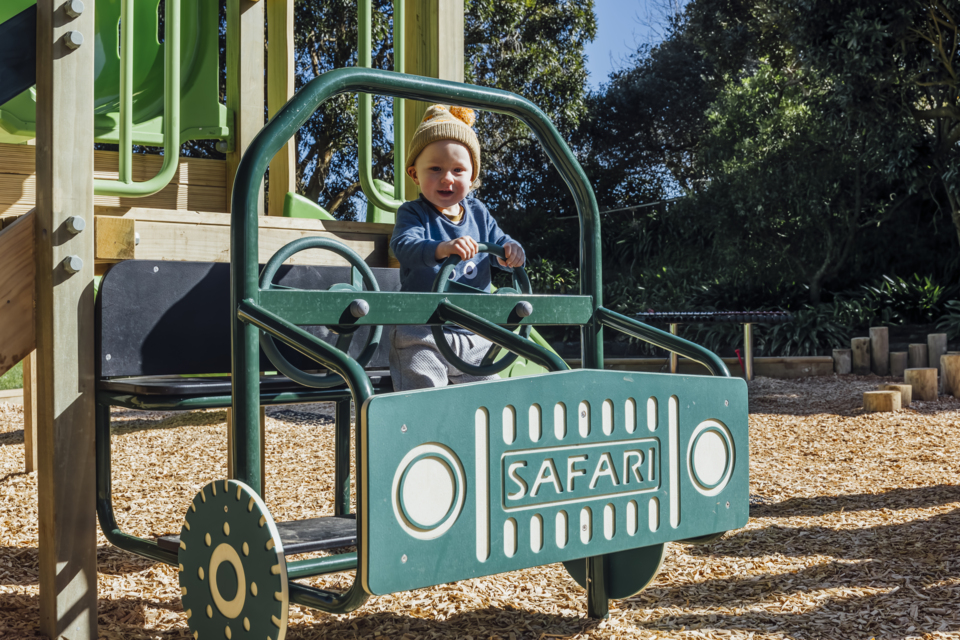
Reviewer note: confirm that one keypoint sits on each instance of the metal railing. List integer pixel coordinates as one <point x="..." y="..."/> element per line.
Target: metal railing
<point x="125" y="186"/>
<point x="364" y="59"/>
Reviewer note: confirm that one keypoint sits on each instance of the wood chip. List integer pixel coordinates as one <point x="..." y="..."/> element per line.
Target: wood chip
<point x="854" y="533"/>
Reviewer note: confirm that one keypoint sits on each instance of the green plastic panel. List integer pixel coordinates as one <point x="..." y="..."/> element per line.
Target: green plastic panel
<point x="390" y="307"/>
<point x="202" y="115"/>
<point x="296" y="206"/>
<point x="504" y="475"/>
<point x="233" y="578"/>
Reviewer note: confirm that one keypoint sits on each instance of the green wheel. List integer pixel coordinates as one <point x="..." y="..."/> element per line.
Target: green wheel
<point x="626" y="573"/>
<point x="233" y="576"/>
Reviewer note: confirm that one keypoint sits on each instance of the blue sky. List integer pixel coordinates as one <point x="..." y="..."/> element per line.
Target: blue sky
<point x="622" y="25"/>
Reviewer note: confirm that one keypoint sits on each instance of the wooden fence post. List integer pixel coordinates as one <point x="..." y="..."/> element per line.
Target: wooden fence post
<point x="64" y="309"/>
<point x="880" y="350"/>
<point x="861" y="355"/>
<point x="281" y="83"/>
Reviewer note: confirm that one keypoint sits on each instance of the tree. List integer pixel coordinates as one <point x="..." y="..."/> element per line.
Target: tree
<point x="534" y="49"/>
<point x="894" y="58"/>
<point x="794" y="180"/>
<point x="326" y="38"/>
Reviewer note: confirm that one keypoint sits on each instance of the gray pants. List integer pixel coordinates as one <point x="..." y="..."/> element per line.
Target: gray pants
<point x="415" y="361"/>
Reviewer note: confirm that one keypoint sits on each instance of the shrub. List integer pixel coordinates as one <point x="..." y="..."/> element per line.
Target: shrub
<point x="949" y="323"/>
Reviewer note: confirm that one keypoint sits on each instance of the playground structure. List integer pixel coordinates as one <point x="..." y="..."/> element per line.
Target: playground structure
<point x="167" y="208"/>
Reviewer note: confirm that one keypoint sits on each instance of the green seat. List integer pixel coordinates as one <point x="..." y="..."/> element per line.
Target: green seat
<point x="202" y="115"/>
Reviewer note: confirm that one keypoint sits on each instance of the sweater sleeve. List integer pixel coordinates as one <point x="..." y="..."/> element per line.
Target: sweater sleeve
<point x="409" y="242"/>
<point x="496" y="235"/>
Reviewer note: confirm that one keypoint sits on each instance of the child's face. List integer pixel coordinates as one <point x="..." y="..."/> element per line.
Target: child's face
<point x="443" y="171"/>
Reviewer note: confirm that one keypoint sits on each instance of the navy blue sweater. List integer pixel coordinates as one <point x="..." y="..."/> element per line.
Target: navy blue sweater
<point x="420" y="228"/>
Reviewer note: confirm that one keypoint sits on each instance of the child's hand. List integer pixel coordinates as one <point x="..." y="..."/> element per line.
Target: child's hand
<point x="465" y="247"/>
<point x="514" y="254"/>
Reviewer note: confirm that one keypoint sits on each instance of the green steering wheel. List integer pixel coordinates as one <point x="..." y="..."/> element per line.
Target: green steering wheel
<point x="442" y="284"/>
<point x="368" y="280"/>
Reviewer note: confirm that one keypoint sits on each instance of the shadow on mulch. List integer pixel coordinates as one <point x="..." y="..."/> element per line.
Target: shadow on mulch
<point x="20" y="618"/>
<point x="169" y="420"/>
<point x="496" y="623"/>
<point x="895" y="499"/>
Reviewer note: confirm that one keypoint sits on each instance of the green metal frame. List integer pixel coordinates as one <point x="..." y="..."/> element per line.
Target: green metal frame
<point x="278" y="313"/>
<point x="149" y="548"/>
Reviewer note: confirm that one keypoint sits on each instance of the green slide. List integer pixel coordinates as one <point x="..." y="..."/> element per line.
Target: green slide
<point x="202" y="115"/>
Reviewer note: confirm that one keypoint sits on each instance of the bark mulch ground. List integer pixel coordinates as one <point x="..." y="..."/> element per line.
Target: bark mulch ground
<point x="854" y="533"/>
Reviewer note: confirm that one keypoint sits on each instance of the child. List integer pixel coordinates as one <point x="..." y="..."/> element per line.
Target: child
<point x="444" y="161"/>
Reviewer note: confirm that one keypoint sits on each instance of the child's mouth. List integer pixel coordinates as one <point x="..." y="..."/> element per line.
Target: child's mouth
<point x="445" y="192"/>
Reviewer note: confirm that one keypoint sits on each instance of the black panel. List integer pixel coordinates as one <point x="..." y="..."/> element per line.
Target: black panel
<point x="316" y="534"/>
<point x="218" y="386"/>
<point x="18" y="54"/>
<point x="300" y="536"/>
<point x="167" y="318"/>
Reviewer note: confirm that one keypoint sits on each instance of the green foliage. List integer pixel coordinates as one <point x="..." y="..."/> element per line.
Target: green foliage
<point x="12" y="379"/>
<point x="549" y="277"/>
<point x="907" y="300"/>
<point x="815" y="330"/>
<point x="949" y="323"/>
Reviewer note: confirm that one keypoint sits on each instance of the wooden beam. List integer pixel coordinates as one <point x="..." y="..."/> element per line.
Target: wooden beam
<point x="244" y="80"/>
<point x="17" y="290"/>
<point x="30" y="412"/>
<point x="433" y="47"/>
<point x="114" y="238"/>
<point x="65" y="353"/>
<point x="280" y="88"/>
<point x="199" y="183"/>
<point x="205" y="237"/>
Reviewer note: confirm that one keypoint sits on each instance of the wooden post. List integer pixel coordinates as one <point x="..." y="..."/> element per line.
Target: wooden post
<point x="898" y="363"/>
<point x="950" y="369"/>
<point x="433" y="38"/>
<point x="244" y="80"/>
<point x="924" y="383"/>
<point x="64" y="310"/>
<point x="30" y="412"/>
<point x="281" y="84"/>
<point x="880" y="350"/>
<point x="906" y="392"/>
<point x="842" y="361"/>
<point x="917" y="356"/>
<point x="881" y="401"/>
<point x="860" y="348"/>
<point x="936" y="347"/>
<point x="674" y="358"/>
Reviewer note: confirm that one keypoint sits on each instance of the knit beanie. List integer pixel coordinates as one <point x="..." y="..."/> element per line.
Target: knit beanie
<point x="441" y="123"/>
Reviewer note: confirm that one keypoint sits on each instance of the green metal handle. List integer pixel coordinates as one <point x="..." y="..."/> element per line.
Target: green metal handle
<point x="499" y="336"/>
<point x="365" y="142"/>
<point x="664" y="340"/>
<point x="488" y="366"/>
<point x="125" y="186"/>
<point x="521" y="281"/>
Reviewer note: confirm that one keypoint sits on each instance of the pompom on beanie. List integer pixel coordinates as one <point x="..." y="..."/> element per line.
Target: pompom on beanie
<point x="443" y="123"/>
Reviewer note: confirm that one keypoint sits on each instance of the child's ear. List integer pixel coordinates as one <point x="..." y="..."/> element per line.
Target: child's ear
<point x="412" y="172"/>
